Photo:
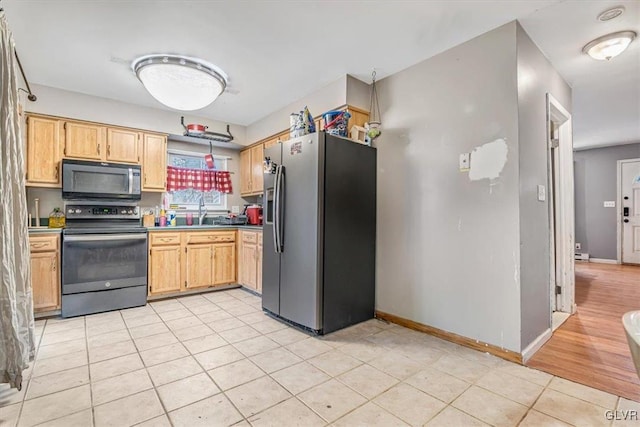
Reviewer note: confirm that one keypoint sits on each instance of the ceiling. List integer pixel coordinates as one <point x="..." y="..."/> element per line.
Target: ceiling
<point x="278" y="51"/>
<point x="606" y="94"/>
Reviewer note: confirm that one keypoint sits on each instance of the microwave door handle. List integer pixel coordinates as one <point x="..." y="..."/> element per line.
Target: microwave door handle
<point x="130" y="180"/>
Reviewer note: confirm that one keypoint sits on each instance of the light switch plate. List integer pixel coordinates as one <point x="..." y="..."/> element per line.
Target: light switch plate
<point x="542" y="193"/>
<point x="609" y="204"/>
<point x="465" y="162"/>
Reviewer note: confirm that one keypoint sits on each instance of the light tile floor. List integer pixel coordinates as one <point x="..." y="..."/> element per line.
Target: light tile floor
<point x="216" y="359"/>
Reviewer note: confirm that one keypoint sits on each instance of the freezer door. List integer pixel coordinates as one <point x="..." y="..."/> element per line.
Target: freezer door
<point x="300" y="294"/>
<point x="270" y="256"/>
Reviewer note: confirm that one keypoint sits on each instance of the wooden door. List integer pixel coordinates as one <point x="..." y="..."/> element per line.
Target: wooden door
<point x="199" y="266"/>
<point x="259" y="264"/>
<point x="224" y="263"/>
<point x="248" y="260"/>
<point x="43" y="151"/>
<point x="245" y="171"/>
<point x="257" y="168"/>
<point x="154" y="162"/>
<point x="164" y="269"/>
<point x="45" y="281"/>
<point x="122" y="146"/>
<point x="630" y="187"/>
<point x="84" y="141"/>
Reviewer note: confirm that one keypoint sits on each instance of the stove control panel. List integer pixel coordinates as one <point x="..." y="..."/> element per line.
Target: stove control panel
<point x="102" y="212"/>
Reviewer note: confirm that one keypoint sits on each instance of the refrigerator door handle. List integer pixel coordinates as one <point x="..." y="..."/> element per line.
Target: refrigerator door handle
<point x="276" y="209"/>
<point x="281" y="209"/>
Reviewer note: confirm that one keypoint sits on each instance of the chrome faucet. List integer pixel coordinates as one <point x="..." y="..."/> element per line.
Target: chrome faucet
<point x="202" y="211"/>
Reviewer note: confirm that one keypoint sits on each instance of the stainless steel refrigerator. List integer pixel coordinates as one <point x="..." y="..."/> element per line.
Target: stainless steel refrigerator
<point x="318" y="268"/>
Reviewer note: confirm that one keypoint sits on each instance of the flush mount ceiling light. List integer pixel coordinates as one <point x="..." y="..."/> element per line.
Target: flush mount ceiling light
<point x="180" y="82"/>
<point x="609" y="46"/>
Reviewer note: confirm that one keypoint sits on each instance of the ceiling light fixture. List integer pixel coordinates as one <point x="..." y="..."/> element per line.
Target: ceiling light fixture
<point x="180" y="82"/>
<point x="610" y="14"/>
<point x="609" y="46"/>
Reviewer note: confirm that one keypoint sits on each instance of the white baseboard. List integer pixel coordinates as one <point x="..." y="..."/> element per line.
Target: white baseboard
<point x="603" y="261"/>
<point x="535" y="345"/>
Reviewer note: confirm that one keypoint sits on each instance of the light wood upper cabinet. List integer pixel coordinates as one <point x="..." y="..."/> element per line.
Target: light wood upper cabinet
<point x="45" y="271"/>
<point x="199" y="269"/>
<point x="245" y="172"/>
<point x="44" y="141"/>
<point x="251" y="170"/>
<point x="84" y="141"/>
<point x="154" y="162"/>
<point x="164" y="269"/>
<point x="257" y="168"/>
<point x="224" y="263"/>
<point x="270" y="142"/>
<point x="122" y="145"/>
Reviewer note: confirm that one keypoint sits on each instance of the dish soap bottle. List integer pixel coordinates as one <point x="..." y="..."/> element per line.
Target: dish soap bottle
<point x="56" y="219"/>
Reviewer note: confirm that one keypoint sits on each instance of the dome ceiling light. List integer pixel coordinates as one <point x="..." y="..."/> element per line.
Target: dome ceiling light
<point x="609" y="46"/>
<point x="180" y="82"/>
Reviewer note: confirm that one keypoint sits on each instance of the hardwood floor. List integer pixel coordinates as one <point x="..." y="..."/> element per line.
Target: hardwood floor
<point x="591" y="347"/>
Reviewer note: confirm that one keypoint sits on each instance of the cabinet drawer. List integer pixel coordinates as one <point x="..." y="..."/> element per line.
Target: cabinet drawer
<point x="43" y="243"/>
<point x="164" y="238"/>
<point x="195" y="238"/>
<point x="249" y="236"/>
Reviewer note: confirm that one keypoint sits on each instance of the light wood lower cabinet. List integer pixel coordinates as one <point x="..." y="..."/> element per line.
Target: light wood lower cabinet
<point x="164" y="269"/>
<point x="45" y="271"/>
<point x="185" y="260"/>
<point x="250" y="259"/>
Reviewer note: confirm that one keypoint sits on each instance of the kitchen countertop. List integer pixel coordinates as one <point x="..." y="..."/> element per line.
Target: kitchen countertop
<point x="206" y="227"/>
<point x="37" y="230"/>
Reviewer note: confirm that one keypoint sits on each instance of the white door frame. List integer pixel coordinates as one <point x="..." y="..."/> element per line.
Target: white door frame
<point x="561" y="236"/>
<point x="619" y="206"/>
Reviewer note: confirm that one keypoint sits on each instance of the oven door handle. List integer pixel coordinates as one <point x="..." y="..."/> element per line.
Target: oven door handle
<point x="103" y="237"/>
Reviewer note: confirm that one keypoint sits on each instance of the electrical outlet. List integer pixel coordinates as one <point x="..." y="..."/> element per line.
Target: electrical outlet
<point x="578" y="246"/>
<point x="235" y="209"/>
<point x="542" y="193"/>
<point x="609" y="204"/>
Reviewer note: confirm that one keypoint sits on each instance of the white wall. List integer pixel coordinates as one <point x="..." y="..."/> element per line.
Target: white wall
<point x="447" y="247"/>
<point x="331" y="96"/>
<point x="58" y="102"/>
<point x="536" y="78"/>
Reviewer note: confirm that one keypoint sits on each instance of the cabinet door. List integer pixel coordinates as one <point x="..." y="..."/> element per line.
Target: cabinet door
<point x="224" y="263"/>
<point x="84" y="141"/>
<point x="122" y="146"/>
<point x="43" y="151"/>
<point x="259" y="264"/>
<point x="154" y="162"/>
<point x="257" y="169"/>
<point x="199" y="266"/>
<point x="245" y="171"/>
<point x="164" y="269"/>
<point x="248" y="259"/>
<point x="45" y="281"/>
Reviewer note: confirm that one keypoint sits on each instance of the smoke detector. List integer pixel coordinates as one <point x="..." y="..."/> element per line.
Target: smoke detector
<point x="610" y="14"/>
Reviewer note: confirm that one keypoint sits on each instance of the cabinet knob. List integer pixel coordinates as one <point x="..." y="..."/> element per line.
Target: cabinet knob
<point x="98" y="149"/>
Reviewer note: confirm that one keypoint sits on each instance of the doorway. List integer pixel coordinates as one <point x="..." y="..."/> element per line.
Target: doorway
<point x="561" y="212"/>
<point x="629" y="211"/>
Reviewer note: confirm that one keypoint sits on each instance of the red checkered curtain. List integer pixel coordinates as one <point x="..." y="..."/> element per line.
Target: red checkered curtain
<point x="198" y="179"/>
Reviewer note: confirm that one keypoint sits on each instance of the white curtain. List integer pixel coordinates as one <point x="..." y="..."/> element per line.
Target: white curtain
<point x="16" y="302"/>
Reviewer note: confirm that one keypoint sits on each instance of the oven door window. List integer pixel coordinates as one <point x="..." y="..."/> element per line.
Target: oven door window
<point x="93" y="262"/>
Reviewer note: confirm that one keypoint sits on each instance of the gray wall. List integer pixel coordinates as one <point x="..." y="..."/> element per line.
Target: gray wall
<point x="596" y="182"/>
<point x="536" y="78"/>
<point x="448" y="248"/>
